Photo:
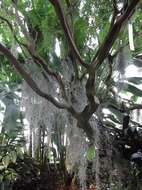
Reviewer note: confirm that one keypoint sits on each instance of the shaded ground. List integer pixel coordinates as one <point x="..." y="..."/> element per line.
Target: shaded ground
<point x="48" y="177"/>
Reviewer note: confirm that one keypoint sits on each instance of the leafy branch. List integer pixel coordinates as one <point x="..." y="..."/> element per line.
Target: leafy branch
<point x="67" y="31"/>
<point x="114" y="30"/>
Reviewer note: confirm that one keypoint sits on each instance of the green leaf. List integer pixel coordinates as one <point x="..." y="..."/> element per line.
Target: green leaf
<point x="137" y="63"/>
<point x="109" y="124"/>
<point x="10" y="174"/>
<point x="90" y="153"/>
<point x="80" y="28"/>
<point x="134" y="98"/>
<point x="113" y="118"/>
<point x="130" y="88"/>
<point x="135" y="80"/>
<point x="2" y="167"/>
<point x="6" y="161"/>
<point x="117" y="113"/>
<point x="13" y="156"/>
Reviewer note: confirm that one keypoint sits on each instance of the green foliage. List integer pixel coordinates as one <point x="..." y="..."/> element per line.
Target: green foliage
<point x="27" y="170"/>
<point x="80" y="37"/>
<point x="7" y="73"/>
<point x="11" y="146"/>
<point x="135" y="80"/>
<point x="131" y="88"/>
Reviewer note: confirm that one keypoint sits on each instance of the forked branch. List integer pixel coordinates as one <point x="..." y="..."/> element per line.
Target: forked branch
<point x="112" y="35"/>
<point x="38" y="60"/>
<point x="28" y="78"/>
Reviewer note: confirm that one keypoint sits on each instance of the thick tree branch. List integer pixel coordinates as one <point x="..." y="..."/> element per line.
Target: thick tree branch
<point x="110" y="62"/>
<point x="115" y="5"/>
<point x="103" y="53"/>
<point x="134" y="107"/>
<point x="104" y="49"/>
<point x="38" y="60"/>
<point x="67" y="32"/>
<point x="41" y="63"/>
<point x="136" y="35"/>
<point x="128" y="109"/>
<point x="92" y="105"/>
<point x="68" y="3"/>
<point x="28" y="79"/>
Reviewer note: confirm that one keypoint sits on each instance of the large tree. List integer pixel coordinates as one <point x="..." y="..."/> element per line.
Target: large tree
<point x="90" y="35"/>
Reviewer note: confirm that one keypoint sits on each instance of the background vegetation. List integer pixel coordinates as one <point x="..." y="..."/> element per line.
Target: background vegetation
<point x="78" y="98"/>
